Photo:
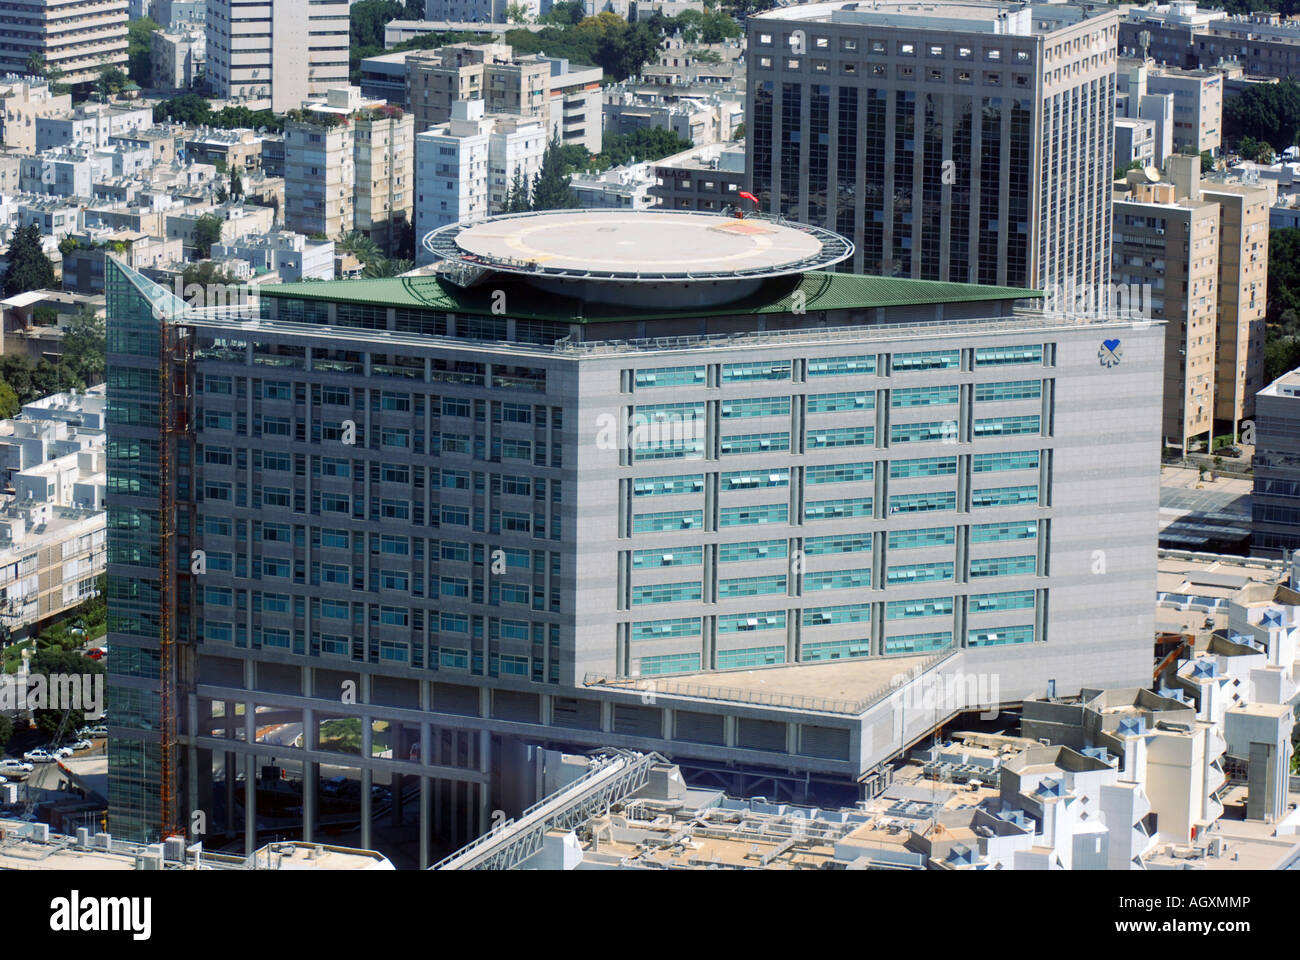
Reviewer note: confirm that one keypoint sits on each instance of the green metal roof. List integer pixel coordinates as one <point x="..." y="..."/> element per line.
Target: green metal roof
<point x="821" y="290"/>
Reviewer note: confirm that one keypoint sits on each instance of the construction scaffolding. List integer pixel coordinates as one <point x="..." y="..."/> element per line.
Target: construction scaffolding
<point x="175" y="362"/>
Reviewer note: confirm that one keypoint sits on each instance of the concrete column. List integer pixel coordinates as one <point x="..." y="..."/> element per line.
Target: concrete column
<point x="205" y="795"/>
<point x="792" y="738"/>
<point x="485" y="789"/>
<point x="453" y="811"/>
<point x="250" y="804"/>
<point x="426" y="786"/>
<point x="367" y="843"/>
<point x="229" y="767"/>
<point x="606" y="716"/>
<point x="470" y="812"/>
<point x="666" y="726"/>
<point x="310" y="778"/>
<point x="395" y="810"/>
<point x="729" y="730"/>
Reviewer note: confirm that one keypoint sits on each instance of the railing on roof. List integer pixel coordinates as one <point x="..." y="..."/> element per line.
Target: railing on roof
<point x="667" y="686"/>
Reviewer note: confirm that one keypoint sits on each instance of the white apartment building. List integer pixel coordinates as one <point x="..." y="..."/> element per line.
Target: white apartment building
<point x="278" y="54"/>
<point x="23" y="101"/>
<point x="619" y="188"/>
<point x="92" y="125"/>
<point x="292" y="255"/>
<point x="451" y="171"/>
<point x="515" y="144"/>
<point x="319" y="173"/>
<point x="77" y="37"/>
<point x="52" y="511"/>
<point x="178" y="58"/>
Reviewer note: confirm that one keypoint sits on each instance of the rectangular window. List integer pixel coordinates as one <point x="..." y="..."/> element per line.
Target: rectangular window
<point x="918" y="642"/>
<point x="660" y="486"/>
<point x="1002" y="566"/>
<point x="750" y="657"/>
<point x="835" y="402"/>
<point x="841" y="437"/>
<point x="670" y="377"/>
<point x="992" y="602"/>
<point x="999" y="636"/>
<point x="841" y="366"/>
<point x="666" y="593"/>
<point x="745" y="372"/>
<point x="927" y="360"/>
<point x="924" y="467"/>
<point x="918" y="573"/>
<point x="761" y="513"/>
<point x="1000" y="356"/>
<point x="751" y="586"/>
<point x="934" y="430"/>
<point x="1004" y="496"/>
<point x="996" y="462"/>
<point x="756" y="407"/>
<point x="837" y="579"/>
<point x="839" y="473"/>
<point x="836" y="509"/>
<point x="1011" y="390"/>
<point x="745" y="622"/>
<point x="668" y="663"/>
<point x="755" y="443"/>
<point x="907" y="609"/>
<point x="922" y="502"/>
<point x="666" y="629"/>
<point x="1006" y="426"/>
<point x="924" y="396"/>
<point x="675" y="557"/>
<point x="672" y="520"/>
<point x="753" y="479"/>
<point x="835" y="650"/>
<point x="752" y="550"/>
<point x="924" y="537"/>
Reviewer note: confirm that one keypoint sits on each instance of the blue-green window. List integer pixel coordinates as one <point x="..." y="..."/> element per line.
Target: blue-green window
<point x="753" y="479"/>
<point x="752" y="550"/>
<point x="750" y="657"/>
<point x="841" y="366"/>
<point x="845" y="613"/>
<point x="922" y="502"/>
<point x="219" y="596"/>
<point x="1004" y="496"/>
<point x="919" y="572"/>
<point x="745" y="622"/>
<point x="927" y="360"/>
<point x="751" y="586"/>
<point x="1000" y="356"/>
<point x="668" y="557"/>
<point x="1002" y="566"/>
<point x="668" y="663"/>
<point x="1011" y="600"/>
<point x="998" y="532"/>
<point x="835" y="649"/>
<point x="924" y="537"/>
<point x="756" y="442"/>
<point x="659" y="486"/>
<point x="839" y="473"/>
<point x="841" y="437"/>
<point x="1009" y="390"/>
<point x="924" y="396"/>
<point x="669" y="376"/>
<point x="907" y="609"/>
<point x="768" y="370"/>
<point x="998" y="636"/>
<point x="453" y="658"/>
<point x="924" y="467"/>
<point x="672" y="448"/>
<point x="835" y="402"/>
<point x="838" y="543"/>
<point x="670" y="520"/>
<point x="1007" y="426"/>
<point x="918" y="642"/>
<point x="923" y="432"/>
<point x="835" y="509"/>
<point x="649" y="413"/>
<point x="758" y="513"/>
<point x="1012" y="460"/>
<point x="837" y="579"/>
<point x="666" y="629"/>
<point x="755" y="407"/>
<point x="666" y="592"/>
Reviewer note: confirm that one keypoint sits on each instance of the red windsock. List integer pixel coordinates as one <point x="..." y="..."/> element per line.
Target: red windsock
<point x="748" y="196"/>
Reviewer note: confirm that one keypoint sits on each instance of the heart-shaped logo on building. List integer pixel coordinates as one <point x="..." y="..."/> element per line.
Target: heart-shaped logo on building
<point x="1110" y="353"/>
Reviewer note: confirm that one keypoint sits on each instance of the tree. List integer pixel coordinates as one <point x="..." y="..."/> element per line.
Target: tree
<point x="360" y="246"/>
<point x="386" y="267"/>
<point x="29" y="267"/>
<point x="1256" y="150"/>
<point x="642" y="145"/>
<point x="207" y="231"/>
<point x="84" y="346"/>
<point x="36" y="64"/>
<point x="1268" y="112"/>
<point x="563" y="13"/>
<point x="6" y="730"/>
<point x="204" y="273"/>
<point x="516" y="13"/>
<point x="138" y="49"/>
<point x="219" y="192"/>
<point x="517" y="195"/>
<point x="9" y="406"/>
<point x="551" y="187"/>
<point x="53" y="660"/>
<point x="188" y="108"/>
<point x="111" y="81"/>
<point x="236" y="183"/>
<point x="738" y="132"/>
<point x="1207" y="162"/>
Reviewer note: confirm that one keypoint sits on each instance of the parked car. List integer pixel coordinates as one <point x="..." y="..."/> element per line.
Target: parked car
<point x="334" y="786"/>
<point x="1232" y="452"/>
<point x="82" y="745"/>
<point x="92" y="732"/>
<point x="13" y="767"/>
<point x="60" y="753"/>
<point x="38" y="756"/>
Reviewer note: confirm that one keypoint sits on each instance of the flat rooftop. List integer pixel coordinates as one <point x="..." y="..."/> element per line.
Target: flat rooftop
<point x="836" y="686"/>
<point x="638" y="246"/>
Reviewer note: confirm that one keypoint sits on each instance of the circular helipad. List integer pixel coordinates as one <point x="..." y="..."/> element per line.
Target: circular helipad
<point x="639" y="245"/>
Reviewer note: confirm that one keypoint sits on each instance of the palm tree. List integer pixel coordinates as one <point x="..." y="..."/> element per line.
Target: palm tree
<point x="360" y="246"/>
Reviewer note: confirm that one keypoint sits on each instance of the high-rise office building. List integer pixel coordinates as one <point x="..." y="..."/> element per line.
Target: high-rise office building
<point x="278" y="54"/>
<point x="573" y="489"/>
<point x="961" y="141"/>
